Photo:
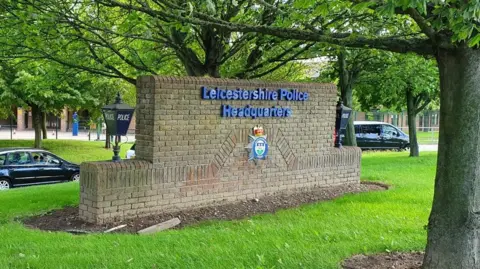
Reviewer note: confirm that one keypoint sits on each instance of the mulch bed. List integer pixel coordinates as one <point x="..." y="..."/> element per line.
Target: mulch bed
<point x="67" y="219"/>
<point x="412" y="260"/>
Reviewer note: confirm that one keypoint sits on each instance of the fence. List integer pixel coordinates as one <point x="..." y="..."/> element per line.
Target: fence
<point x="425" y="135"/>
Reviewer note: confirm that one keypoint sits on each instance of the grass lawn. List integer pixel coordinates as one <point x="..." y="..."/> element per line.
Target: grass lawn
<point x="70" y="150"/>
<point x="313" y="236"/>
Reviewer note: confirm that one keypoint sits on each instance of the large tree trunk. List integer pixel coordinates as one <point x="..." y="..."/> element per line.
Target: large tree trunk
<point x="454" y="224"/>
<point x="346" y="90"/>
<point x="44" y="125"/>
<point x="37" y="125"/>
<point x="412" y="124"/>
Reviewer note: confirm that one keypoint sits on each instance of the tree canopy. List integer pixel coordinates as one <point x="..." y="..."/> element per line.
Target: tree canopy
<point x="122" y="39"/>
<point x="119" y="42"/>
<point x="447" y="30"/>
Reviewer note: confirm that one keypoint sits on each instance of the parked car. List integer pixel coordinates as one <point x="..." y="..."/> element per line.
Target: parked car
<point x="380" y="135"/>
<point x="27" y="166"/>
<point x="131" y="152"/>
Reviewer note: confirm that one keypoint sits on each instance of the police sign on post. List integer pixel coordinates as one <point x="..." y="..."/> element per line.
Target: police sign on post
<point x="117" y="117"/>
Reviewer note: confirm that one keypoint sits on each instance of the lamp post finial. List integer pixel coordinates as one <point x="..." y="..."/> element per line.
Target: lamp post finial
<point x="118" y="98"/>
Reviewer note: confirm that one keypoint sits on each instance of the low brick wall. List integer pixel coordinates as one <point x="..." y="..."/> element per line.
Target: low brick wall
<point x="117" y="191"/>
<point x="191" y="154"/>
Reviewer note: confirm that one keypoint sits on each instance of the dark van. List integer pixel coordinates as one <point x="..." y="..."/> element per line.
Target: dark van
<point x="380" y="135"/>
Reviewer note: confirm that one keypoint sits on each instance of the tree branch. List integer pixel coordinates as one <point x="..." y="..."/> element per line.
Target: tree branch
<point x="282" y="63"/>
<point x="426" y="101"/>
<point x="422" y="46"/>
<point x="422" y="23"/>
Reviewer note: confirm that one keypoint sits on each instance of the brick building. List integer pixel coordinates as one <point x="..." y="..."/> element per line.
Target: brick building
<point x="23" y="120"/>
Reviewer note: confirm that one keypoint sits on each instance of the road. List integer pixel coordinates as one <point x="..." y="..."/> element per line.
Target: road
<point x="428" y="148"/>
<point x="83" y="136"/>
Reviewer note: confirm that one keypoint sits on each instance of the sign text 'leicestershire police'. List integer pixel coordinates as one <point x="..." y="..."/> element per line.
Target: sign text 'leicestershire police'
<point x="254" y="95"/>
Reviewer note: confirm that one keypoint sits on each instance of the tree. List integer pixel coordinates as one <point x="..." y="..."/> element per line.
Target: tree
<point x="101" y="91"/>
<point x="121" y="42"/>
<point x="36" y="30"/>
<point x="344" y="68"/>
<point x="42" y="86"/>
<point x="5" y="105"/>
<point x="397" y="82"/>
<point x="447" y="30"/>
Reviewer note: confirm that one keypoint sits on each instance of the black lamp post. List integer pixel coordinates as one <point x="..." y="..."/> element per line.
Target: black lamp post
<point x="341" y="121"/>
<point x="117" y="118"/>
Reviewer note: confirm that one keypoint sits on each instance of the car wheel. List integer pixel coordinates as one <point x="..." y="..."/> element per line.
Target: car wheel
<point x="5" y="184"/>
<point x="75" y="177"/>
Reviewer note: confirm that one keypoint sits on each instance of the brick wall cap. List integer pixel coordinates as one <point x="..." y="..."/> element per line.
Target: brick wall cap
<point x="232" y="82"/>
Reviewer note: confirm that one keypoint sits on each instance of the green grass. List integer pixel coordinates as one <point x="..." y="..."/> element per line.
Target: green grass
<point x="74" y="151"/>
<point x="313" y="236"/>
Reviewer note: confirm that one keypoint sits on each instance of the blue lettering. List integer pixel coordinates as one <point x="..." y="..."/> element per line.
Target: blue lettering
<point x="235" y="95"/>
<point x="234" y="112"/>
<point x="289" y="95"/>
<point x="253" y="112"/>
<point x="279" y="112"/>
<point x="260" y="112"/>
<point x="283" y="94"/>
<point x="204" y="93"/>
<point x="245" y="95"/>
<point x="241" y="112"/>
<point x="255" y="95"/>
<point x="262" y="94"/>
<point x="305" y="96"/>
<point x="223" y="94"/>
<point x="247" y="111"/>
<point x="226" y="111"/>
<point x="229" y="94"/>
<point x="213" y="94"/>
<point x="288" y="112"/>
<point x="274" y="96"/>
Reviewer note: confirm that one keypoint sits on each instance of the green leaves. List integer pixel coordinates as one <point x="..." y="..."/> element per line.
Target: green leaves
<point x="210" y="6"/>
<point x="474" y="41"/>
<point x="384" y="81"/>
<point x="363" y="6"/>
<point x="303" y="4"/>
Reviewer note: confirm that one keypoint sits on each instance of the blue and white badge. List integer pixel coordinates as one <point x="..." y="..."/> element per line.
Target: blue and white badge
<point x="260" y="148"/>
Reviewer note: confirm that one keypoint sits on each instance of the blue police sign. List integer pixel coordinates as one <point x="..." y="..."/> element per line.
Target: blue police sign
<point x="117" y="117"/>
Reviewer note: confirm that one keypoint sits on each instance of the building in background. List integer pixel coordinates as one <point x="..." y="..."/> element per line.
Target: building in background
<point x="23" y="120"/>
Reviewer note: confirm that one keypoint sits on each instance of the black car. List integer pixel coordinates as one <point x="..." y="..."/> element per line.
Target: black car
<point x="380" y="135"/>
<point x="27" y="166"/>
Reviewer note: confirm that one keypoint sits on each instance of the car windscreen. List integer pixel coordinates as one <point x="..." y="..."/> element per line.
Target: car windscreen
<point x="390" y="130"/>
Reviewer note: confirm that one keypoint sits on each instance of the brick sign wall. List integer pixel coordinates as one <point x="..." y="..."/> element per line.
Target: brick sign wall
<point x="192" y="152"/>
